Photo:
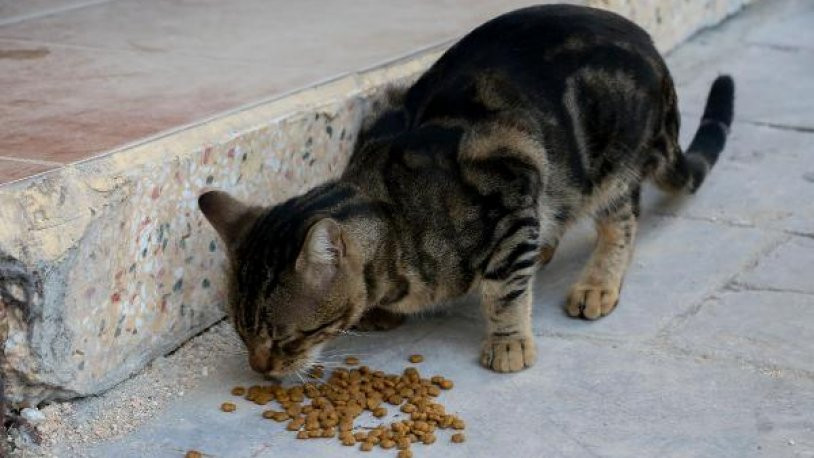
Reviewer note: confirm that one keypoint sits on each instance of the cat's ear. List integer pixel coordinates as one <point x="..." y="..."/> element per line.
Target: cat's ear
<point x="230" y="217"/>
<point x="323" y="244"/>
<point x="321" y="253"/>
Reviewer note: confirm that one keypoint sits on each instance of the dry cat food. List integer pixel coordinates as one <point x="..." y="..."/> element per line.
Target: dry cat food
<point x="228" y="407"/>
<point x="193" y="454"/>
<point x="327" y="407"/>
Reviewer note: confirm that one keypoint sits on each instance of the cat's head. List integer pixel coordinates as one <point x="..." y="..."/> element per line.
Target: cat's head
<point x="295" y="279"/>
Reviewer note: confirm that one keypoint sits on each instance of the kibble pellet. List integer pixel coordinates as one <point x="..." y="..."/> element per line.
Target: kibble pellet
<point x="228" y="407"/>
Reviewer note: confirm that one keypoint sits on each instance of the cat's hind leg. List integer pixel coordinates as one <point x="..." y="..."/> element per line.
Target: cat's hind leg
<point x="596" y="293"/>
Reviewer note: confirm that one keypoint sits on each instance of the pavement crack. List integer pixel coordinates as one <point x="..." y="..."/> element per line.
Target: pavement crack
<point x="731" y="223"/>
<point x="728" y="285"/>
<point x="760" y="255"/>
<point x="665" y="347"/>
<point x="50" y="12"/>
<point x="779" y="47"/>
<point x="753" y="122"/>
<point x="679" y="320"/>
<point x="740" y="286"/>
<point x="706" y="219"/>
<point x="779" y="126"/>
<point x="800" y="234"/>
<point x="579" y="337"/>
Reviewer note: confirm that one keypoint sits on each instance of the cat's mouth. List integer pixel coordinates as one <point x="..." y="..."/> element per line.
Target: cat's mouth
<point x="278" y="359"/>
<point x="296" y="366"/>
<point x="279" y="369"/>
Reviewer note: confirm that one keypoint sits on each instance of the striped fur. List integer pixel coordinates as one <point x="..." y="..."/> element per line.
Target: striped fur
<point x="466" y="181"/>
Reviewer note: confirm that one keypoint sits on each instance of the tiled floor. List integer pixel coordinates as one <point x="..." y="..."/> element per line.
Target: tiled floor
<point x="80" y="77"/>
<point x="13" y="169"/>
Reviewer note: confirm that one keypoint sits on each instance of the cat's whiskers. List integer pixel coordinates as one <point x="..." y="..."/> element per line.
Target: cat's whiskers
<point x="298" y="373"/>
<point x="327" y="363"/>
<point x="343" y="352"/>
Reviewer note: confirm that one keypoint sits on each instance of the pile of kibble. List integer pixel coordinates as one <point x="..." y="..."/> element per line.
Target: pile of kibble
<point x="323" y="408"/>
<point x="327" y="408"/>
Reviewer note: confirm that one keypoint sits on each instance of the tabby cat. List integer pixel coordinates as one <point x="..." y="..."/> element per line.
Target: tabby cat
<point x="465" y="182"/>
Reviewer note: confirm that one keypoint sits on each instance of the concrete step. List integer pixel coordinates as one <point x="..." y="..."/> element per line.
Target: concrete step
<point x="105" y="262"/>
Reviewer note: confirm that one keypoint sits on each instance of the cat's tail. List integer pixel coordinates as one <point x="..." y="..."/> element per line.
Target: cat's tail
<point x="686" y="172"/>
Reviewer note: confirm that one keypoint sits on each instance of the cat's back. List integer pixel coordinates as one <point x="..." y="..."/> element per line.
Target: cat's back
<point x="515" y="70"/>
<point x="537" y="49"/>
<point x="546" y="27"/>
<point x="547" y="34"/>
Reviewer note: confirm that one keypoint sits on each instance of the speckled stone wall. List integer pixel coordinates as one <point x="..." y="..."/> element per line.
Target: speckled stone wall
<point x="113" y="263"/>
<point x="672" y="21"/>
<point x="123" y="266"/>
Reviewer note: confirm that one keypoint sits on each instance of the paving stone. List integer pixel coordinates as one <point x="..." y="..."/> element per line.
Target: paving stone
<point x="792" y="29"/>
<point x="788" y="267"/>
<point x="575" y="402"/>
<point x="763" y="77"/>
<point x="770" y="60"/>
<point x="676" y="264"/>
<point x="769" y="328"/>
<point x="763" y="178"/>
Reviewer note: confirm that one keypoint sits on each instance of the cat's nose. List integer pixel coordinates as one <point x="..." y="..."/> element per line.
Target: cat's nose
<point x="259" y="360"/>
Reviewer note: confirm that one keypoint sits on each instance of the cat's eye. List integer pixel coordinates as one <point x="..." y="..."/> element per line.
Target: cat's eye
<point x="314" y="330"/>
<point x="311" y="330"/>
<point x="291" y="346"/>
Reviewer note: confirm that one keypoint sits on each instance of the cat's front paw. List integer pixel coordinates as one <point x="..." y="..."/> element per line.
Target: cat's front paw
<point x="592" y="301"/>
<point x="502" y="354"/>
